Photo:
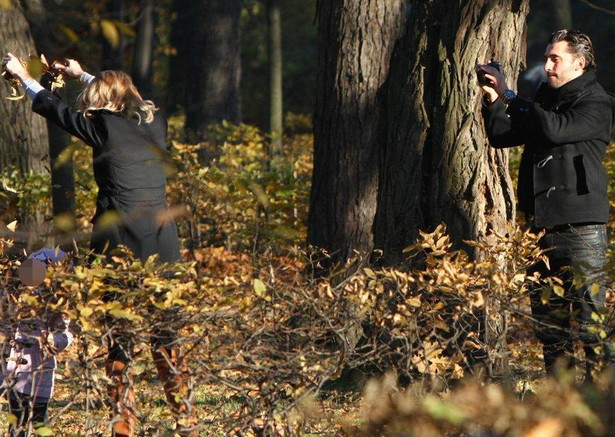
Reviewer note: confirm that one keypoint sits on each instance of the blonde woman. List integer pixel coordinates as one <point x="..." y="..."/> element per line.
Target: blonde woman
<point x="128" y="140"/>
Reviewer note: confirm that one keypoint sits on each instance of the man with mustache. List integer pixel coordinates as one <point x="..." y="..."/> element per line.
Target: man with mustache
<point x="562" y="189"/>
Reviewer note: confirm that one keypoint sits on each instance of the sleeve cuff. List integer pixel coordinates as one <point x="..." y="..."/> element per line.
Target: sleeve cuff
<point x="32" y="88"/>
<point x="61" y="340"/>
<point x="86" y="77"/>
<point x="519" y="107"/>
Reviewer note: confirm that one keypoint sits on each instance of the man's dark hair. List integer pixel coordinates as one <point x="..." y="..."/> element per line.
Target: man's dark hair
<point x="579" y="44"/>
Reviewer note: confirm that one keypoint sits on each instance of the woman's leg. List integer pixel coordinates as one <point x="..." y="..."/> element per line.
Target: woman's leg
<point x="120" y="390"/>
<point x="175" y="377"/>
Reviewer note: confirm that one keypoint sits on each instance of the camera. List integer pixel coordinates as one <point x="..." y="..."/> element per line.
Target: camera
<point x="482" y="79"/>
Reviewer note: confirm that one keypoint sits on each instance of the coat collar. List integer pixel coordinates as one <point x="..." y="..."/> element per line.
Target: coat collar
<point x="572" y="88"/>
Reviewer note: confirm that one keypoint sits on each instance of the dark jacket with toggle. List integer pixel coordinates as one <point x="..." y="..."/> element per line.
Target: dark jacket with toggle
<point x="129" y="168"/>
<point x="565" y="131"/>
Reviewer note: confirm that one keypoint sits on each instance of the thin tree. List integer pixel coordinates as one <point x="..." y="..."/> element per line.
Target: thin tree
<point x="562" y="14"/>
<point x="112" y="43"/>
<point x="62" y="174"/>
<point x="142" y="73"/>
<point x="275" y="76"/>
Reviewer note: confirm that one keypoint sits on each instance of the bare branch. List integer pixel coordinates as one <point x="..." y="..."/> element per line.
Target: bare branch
<point x="600" y="8"/>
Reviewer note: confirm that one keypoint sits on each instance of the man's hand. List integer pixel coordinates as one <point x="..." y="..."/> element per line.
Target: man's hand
<point x="72" y="68"/>
<point x="497" y="82"/>
<point x="15" y="68"/>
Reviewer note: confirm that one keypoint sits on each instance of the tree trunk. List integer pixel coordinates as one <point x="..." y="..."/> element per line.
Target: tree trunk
<point x="24" y="142"/>
<point x="562" y="14"/>
<point x="205" y="74"/>
<point x="399" y="142"/>
<point x="355" y="42"/>
<point x="62" y="174"/>
<point x="437" y="164"/>
<point x="144" y="50"/>
<point x="275" y="76"/>
<point x="113" y="55"/>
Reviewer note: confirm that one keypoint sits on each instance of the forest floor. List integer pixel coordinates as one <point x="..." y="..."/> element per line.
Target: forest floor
<point x="339" y="406"/>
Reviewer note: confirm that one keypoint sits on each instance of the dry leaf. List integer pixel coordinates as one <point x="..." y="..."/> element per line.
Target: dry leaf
<point x="547" y="428"/>
<point x="12" y="226"/>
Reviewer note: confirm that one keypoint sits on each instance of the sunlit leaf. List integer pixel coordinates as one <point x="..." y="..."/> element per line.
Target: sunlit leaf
<point x="443" y="411"/>
<point x="259" y="287"/>
<point x="260" y="194"/>
<point x="109" y="218"/>
<point x="545" y="295"/>
<point x="414" y="301"/>
<point x="65" y="156"/>
<point x="124" y="28"/>
<point x="70" y="33"/>
<point x="370" y="273"/>
<point x="64" y="222"/>
<point x="125" y="315"/>
<point x="549" y="427"/>
<point x="110" y="32"/>
<point x="12" y="226"/>
<point x="558" y="290"/>
<point x="85" y="311"/>
<point x="35" y="66"/>
<point x="43" y="431"/>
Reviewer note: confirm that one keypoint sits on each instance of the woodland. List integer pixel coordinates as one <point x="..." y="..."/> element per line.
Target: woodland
<point x="353" y="263"/>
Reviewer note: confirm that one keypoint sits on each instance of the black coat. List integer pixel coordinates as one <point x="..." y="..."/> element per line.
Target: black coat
<point x="565" y="131"/>
<point x="129" y="168"/>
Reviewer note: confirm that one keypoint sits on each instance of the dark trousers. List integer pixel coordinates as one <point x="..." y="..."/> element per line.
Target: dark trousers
<point x="577" y="255"/>
<point x="20" y="407"/>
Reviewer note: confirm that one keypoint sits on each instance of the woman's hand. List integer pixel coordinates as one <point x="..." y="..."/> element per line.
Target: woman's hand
<point x="72" y="68"/>
<point x="13" y="65"/>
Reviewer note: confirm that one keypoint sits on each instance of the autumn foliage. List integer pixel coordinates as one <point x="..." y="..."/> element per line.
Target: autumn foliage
<point x="272" y="350"/>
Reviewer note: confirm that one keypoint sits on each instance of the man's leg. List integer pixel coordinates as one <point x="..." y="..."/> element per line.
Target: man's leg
<point x="586" y="249"/>
<point x="552" y="328"/>
<point x="551" y="313"/>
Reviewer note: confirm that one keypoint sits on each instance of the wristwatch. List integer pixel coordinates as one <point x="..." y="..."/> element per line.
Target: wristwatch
<point x="508" y="96"/>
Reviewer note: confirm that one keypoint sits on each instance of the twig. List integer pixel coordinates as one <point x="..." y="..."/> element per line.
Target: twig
<point x="600" y="8"/>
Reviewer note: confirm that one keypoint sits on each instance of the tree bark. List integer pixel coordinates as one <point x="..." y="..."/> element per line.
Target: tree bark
<point x="275" y="76"/>
<point x="355" y="43"/>
<point x="437" y="165"/>
<point x="399" y="142"/>
<point x="24" y="142"/>
<point x="62" y="174"/>
<point x="206" y="72"/>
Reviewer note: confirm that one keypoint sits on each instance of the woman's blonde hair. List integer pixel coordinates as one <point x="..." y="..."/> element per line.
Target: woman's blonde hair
<point x="113" y="90"/>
